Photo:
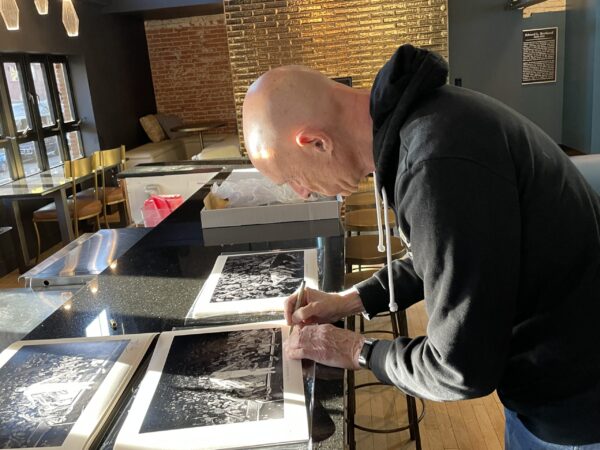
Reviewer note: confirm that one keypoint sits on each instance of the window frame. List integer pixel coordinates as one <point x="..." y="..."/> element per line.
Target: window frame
<point x="10" y="138"/>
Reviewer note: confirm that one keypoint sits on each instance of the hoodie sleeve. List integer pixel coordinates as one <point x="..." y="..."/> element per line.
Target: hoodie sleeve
<point x="408" y="288"/>
<point x="463" y="223"/>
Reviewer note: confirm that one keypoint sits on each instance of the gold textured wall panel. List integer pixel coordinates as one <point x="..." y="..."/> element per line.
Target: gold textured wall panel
<point x="339" y="38"/>
<point x="547" y="6"/>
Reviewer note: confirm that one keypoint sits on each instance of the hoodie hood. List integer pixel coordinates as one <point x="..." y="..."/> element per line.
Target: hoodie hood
<point x="410" y="74"/>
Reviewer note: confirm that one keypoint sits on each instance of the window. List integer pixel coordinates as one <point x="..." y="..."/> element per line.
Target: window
<point x="39" y="125"/>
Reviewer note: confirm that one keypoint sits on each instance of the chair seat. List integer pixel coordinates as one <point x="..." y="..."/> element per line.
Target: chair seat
<point x="360" y="200"/>
<point x="366" y="219"/>
<point x="113" y="194"/>
<point x="363" y="250"/>
<point x="85" y="209"/>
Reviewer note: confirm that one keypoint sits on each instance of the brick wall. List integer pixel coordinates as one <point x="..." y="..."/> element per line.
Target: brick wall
<point x="338" y="37"/>
<point x="190" y="69"/>
<point x="547" y="6"/>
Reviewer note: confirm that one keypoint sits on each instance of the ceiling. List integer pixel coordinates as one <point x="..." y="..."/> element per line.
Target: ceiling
<point x="161" y="9"/>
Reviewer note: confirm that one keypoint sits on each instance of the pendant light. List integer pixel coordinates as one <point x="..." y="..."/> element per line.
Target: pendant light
<point x="10" y="14"/>
<point x="69" y="18"/>
<point x="41" y="6"/>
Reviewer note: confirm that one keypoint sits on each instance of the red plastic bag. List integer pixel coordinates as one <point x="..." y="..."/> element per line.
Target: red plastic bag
<point x="157" y="207"/>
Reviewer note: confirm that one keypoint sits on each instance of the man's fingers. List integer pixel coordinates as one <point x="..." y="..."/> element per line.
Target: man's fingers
<point x="295" y="353"/>
<point x="308" y="312"/>
<point x="288" y="308"/>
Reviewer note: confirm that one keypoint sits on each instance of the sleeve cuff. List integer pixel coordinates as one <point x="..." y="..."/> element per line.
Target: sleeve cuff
<point x="373" y="296"/>
<point x="377" y="362"/>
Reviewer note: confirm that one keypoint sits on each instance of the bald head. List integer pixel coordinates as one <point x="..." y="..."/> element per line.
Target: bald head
<point x="302" y="128"/>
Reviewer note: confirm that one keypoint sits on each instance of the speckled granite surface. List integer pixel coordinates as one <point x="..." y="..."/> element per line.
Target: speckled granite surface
<point x="153" y="285"/>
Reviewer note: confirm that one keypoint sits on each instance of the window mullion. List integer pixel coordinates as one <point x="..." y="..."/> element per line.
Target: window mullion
<point x="14" y="158"/>
<point x="33" y="103"/>
<point x="61" y="133"/>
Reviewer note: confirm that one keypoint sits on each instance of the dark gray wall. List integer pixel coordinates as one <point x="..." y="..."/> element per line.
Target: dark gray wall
<point x="112" y="83"/>
<point x="109" y="63"/>
<point x="485" y="43"/>
<point x="596" y="88"/>
<point x="581" y="115"/>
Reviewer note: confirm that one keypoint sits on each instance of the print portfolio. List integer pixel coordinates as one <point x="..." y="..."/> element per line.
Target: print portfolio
<point x="56" y="394"/>
<point x="217" y="388"/>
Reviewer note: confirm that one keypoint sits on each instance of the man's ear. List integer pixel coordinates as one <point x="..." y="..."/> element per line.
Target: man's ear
<point x="314" y="139"/>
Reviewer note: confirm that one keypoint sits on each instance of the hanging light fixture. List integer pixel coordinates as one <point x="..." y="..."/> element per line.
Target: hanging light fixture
<point x="41" y="6"/>
<point x="10" y="14"/>
<point x="69" y="18"/>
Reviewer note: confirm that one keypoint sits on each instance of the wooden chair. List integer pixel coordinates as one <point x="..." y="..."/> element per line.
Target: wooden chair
<point x="109" y="195"/>
<point x="80" y="209"/>
<point x="366" y="220"/>
<point x="360" y="200"/>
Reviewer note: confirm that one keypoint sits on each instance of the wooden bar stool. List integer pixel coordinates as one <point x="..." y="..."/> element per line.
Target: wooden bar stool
<point x="399" y="328"/>
<point x="109" y="195"/>
<point x="362" y="250"/>
<point x="360" y="200"/>
<point x="366" y="220"/>
<point x="366" y="184"/>
<point x="80" y="209"/>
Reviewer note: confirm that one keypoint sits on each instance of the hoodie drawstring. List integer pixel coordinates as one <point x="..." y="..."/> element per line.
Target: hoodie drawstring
<point x="380" y="246"/>
<point x="385" y="232"/>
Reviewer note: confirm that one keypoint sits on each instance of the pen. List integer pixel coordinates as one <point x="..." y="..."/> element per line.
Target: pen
<point x="298" y="301"/>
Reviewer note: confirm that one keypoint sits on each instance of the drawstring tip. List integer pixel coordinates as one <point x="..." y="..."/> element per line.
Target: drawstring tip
<point x="381" y="248"/>
<point x="394" y="307"/>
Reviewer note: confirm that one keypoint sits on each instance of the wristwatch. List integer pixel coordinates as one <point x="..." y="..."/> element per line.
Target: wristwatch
<point x="365" y="353"/>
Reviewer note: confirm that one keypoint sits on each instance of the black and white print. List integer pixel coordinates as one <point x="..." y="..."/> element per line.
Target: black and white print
<point x="220" y="388"/>
<point x="263" y="275"/>
<point x="220" y="378"/>
<point x="253" y="283"/>
<point x="44" y="389"/>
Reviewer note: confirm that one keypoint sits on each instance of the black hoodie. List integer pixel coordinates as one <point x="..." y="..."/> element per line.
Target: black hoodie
<point x="504" y="246"/>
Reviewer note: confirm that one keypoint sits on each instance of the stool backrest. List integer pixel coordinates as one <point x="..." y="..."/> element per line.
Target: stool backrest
<point x="113" y="157"/>
<point x="76" y="169"/>
<point x="79" y="168"/>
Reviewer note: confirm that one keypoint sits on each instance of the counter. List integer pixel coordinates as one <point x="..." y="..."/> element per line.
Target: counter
<point x="151" y="287"/>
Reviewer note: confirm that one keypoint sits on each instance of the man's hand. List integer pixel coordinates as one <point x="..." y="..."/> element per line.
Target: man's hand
<point x="327" y="345"/>
<point x="322" y="307"/>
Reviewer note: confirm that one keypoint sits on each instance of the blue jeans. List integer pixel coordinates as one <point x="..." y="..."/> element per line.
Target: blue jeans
<point x="518" y="437"/>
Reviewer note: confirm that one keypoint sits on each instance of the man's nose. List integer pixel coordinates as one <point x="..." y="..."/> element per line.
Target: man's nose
<point x="301" y="191"/>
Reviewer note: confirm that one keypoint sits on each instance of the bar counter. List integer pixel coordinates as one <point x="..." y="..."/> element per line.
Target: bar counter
<point x="152" y="286"/>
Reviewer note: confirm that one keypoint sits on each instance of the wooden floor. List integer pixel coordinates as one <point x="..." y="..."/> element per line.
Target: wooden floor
<point x="471" y="424"/>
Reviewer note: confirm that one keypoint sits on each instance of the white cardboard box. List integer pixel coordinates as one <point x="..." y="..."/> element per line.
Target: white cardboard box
<point x="248" y="215"/>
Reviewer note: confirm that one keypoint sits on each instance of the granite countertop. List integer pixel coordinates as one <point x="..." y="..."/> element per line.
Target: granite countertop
<point x="151" y="287"/>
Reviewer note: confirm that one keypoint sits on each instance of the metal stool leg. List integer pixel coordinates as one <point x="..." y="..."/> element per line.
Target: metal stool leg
<point x="411" y="405"/>
<point x="350" y="396"/>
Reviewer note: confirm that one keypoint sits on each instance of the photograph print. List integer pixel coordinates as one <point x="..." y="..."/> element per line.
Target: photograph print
<point x="226" y="387"/>
<point x="254" y="282"/>
<point x="53" y="394"/>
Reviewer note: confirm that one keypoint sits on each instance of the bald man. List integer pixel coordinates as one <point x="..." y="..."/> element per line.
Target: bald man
<point x="502" y="234"/>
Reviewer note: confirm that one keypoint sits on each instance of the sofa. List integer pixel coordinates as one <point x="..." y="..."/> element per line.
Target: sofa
<point x="169" y="146"/>
<point x="218" y="146"/>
